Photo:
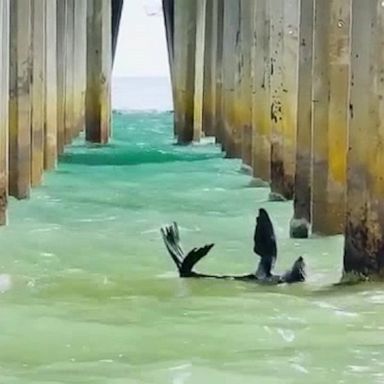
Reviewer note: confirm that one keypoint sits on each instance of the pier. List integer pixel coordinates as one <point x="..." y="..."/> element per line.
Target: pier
<point x="293" y="88"/>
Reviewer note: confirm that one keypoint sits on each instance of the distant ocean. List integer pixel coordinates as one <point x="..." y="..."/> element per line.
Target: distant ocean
<point x="141" y="94"/>
<point x="88" y="293"/>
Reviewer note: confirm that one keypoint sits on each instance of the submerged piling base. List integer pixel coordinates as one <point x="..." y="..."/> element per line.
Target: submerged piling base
<point x="275" y="196"/>
<point x="256" y="182"/>
<point x="299" y="228"/>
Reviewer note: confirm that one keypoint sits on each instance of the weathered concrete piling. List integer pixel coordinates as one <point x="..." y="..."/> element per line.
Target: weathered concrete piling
<point x="20" y="98"/>
<point x="301" y="96"/>
<point x="231" y="38"/>
<point x="284" y="59"/>
<point x="364" y="244"/>
<point x="184" y="70"/>
<point x="51" y="86"/>
<point x="243" y="85"/>
<point x="38" y="91"/>
<point x="331" y="73"/>
<point x="200" y="48"/>
<point x="47" y="48"/>
<point x="4" y="110"/>
<point x="99" y="68"/>
<point x="117" y="9"/>
<point x="299" y="226"/>
<point x="261" y="72"/>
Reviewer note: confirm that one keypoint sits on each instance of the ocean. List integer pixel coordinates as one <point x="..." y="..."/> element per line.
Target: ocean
<point x="90" y="295"/>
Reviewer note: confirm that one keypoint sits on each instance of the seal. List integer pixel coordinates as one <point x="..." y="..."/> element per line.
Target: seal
<point x="264" y="246"/>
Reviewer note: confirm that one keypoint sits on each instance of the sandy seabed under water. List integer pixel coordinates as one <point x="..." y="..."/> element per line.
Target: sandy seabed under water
<point x="89" y="294"/>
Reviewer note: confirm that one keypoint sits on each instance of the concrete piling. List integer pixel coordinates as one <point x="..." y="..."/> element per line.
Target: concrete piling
<point x="117" y="10"/>
<point x="290" y="92"/>
<point x="281" y="188"/>
<point x="43" y="83"/>
<point x="38" y="91"/>
<point x="261" y="69"/>
<point x="61" y="17"/>
<point x="184" y="69"/>
<point x="80" y="65"/>
<point x="69" y="104"/>
<point x="363" y="252"/>
<point x="300" y="224"/>
<point x="20" y="74"/>
<point x="200" y="54"/>
<point x="169" y="24"/>
<point x="218" y="62"/>
<point x="209" y="71"/>
<point x="4" y="102"/>
<point x="231" y="138"/>
<point x="99" y="66"/>
<point x="51" y="86"/>
<point x="243" y="106"/>
<point x="330" y="114"/>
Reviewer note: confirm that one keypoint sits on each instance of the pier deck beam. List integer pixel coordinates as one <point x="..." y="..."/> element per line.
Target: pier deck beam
<point x="20" y="99"/>
<point x="99" y="65"/>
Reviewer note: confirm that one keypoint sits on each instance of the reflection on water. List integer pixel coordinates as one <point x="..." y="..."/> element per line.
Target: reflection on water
<point x="89" y="294"/>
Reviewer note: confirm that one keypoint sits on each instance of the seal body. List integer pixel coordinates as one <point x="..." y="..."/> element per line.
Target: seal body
<point x="264" y="246"/>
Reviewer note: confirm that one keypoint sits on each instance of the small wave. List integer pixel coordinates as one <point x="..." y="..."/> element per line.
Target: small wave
<point x="5" y="283"/>
<point x="48" y="229"/>
<point x="287" y="334"/>
<point x="343" y="313"/>
<point x="300" y="368"/>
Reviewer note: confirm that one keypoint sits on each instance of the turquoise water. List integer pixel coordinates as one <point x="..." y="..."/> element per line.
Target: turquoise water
<point x="89" y="294"/>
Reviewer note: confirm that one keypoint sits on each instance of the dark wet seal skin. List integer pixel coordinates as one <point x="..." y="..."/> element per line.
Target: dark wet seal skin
<point x="264" y="242"/>
<point x="264" y="246"/>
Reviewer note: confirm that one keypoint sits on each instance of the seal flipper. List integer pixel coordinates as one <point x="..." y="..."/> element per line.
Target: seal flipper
<point x="184" y="263"/>
<point x="264" y="243"/>
<point x="296" y="274"/>
<point x="192" y="258"/>
<point x="169" y="236"/>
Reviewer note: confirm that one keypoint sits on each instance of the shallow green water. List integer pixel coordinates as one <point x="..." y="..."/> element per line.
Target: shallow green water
<point x="90" y="295"/>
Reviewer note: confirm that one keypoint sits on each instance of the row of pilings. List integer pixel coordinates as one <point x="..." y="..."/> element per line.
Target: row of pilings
<point x="295" y="88"/>
<point x="55" y="71"/>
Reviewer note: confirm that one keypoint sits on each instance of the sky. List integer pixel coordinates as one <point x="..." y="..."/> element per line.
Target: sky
<point x="141" y="48"/>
